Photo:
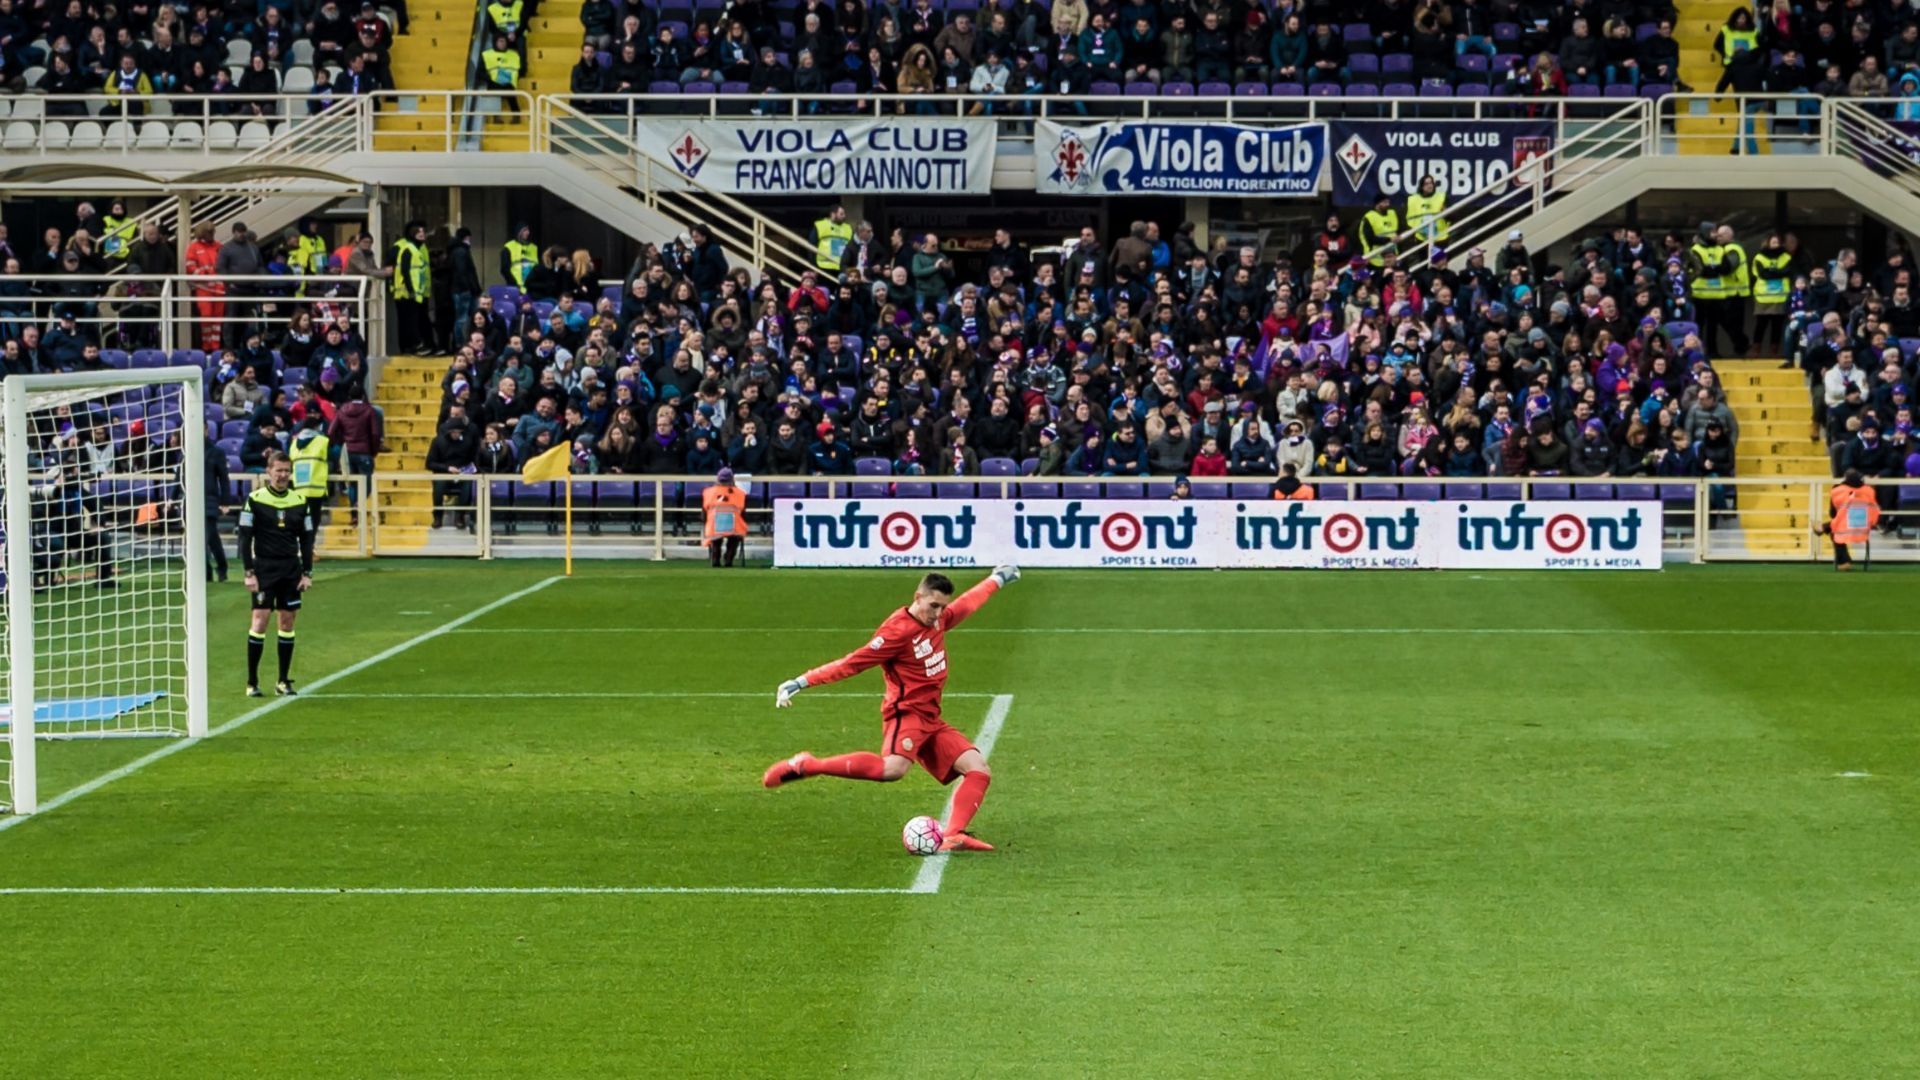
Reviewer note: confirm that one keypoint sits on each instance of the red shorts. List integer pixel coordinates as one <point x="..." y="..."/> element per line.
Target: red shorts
<point x="931" y="741"/>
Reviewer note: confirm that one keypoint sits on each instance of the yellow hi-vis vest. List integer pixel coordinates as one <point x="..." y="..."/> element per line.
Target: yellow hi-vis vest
<point x="1709" y="285"/>
<point x="412" y="276"/>
<point x="116" y="239"/>
<point x="309" y="467"/>
<point x="521" y="259"/>
<point x="503" y="67"/>
<point x="1739" y="284"/>
<point x="1378" y="229"/>
<point x="829" y="242"/>
<point x="1771" y="290"/>
<point x="1423" y="216"/>
<point x="505" y="16"/>
<point x="1734" y="42"/>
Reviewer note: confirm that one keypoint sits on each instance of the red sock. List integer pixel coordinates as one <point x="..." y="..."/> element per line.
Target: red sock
<point x="966" y="801"/>
<point x="859" y="765"/>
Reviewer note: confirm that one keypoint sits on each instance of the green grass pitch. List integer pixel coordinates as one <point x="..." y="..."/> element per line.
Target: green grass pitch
<point x="1251" y="824"/>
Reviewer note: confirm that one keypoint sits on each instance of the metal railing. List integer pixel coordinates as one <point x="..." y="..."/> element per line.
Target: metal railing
<point x="1741" y="124"/>
<point x="606" y="145"/>
<point x="654" y="517"/>
<point x="127" y="314"/>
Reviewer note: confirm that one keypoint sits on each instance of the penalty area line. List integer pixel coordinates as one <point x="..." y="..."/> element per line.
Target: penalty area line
<point x="450" y="890"/>
<point x="927" y="879"/>
<point x="245" y="718"/>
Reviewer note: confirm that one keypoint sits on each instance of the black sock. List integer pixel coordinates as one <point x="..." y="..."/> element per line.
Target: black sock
<point x="286" y="653"/>
<point x="256" y="645"/>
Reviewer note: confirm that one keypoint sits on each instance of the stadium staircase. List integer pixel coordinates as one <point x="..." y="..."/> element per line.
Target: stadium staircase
<point x="553" y="47"/>
<point x="409" y="400"/>
<point x="1776" y="439"/>
<point x="1705" y="125"/>
<point x="431" y="55"/>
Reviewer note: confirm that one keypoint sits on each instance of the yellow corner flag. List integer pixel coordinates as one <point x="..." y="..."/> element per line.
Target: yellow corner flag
<point x="555" y="464"/>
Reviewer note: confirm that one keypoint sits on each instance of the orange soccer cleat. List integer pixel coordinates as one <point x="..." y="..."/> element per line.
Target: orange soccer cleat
<point x="786" y="772"/>
<point x="959" y="841"/>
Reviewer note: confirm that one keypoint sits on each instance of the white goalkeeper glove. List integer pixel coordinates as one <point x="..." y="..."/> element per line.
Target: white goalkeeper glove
<point x="783" y="697"/>
<point x="1006" y="575"/>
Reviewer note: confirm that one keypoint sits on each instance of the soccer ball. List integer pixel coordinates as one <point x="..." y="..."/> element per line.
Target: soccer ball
<point x="921" y="836"/>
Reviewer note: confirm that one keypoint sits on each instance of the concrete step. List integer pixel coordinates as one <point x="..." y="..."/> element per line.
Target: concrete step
<point x="1798" y="467"/>
<point x="1745" y="413"/>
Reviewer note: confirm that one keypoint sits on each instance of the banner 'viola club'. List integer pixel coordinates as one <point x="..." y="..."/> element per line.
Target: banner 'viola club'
<point x="887" y="156"/>
<point x="1219" y="534"/>
<point x="1167" y="158"/>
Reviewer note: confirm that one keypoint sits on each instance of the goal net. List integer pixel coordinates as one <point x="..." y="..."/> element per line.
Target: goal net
<point x="105" y="570"/>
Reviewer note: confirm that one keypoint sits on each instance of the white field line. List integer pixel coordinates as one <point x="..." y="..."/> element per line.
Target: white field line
<point x="927" y="880"/>
<point x="456" y="890"/>
<point x="617" y="695"/>
<point x="134" y="766"/>
<point x="1277" y="631"/>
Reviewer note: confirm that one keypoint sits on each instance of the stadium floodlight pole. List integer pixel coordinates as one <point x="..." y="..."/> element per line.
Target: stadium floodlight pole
<point x="25" y="797"/>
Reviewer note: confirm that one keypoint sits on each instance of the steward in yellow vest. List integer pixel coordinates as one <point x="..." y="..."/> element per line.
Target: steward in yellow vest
<point x="117" y="231"/>
<point x="1378" y="227"/>
<point x="831" y="235"/>
<point x="502" y="64"/>
<point x="1423" y="212"/>
<point x="309" y="454"/>
<point x="1771" y="281"/>
<point x="518" y="257"/>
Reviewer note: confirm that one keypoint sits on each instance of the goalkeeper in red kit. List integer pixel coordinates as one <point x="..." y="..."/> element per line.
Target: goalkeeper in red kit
<point x="910" y="649"/>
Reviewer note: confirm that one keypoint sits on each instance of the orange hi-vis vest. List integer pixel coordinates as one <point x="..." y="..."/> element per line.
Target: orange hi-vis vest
<point x="1302" y="493"/>
<point x="726" y="510"/>
<point x="1855" y="513"/>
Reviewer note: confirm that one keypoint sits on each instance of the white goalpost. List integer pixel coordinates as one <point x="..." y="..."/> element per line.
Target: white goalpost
<point x="104" y="602"/>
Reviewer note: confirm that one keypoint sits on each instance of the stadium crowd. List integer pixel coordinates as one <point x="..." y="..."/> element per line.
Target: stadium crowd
<point x="1077" y="47"/>
<point x="1153" y="355"/>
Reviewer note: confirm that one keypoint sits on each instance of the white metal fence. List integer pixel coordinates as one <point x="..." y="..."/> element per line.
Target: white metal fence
<point x="127" y="315"/>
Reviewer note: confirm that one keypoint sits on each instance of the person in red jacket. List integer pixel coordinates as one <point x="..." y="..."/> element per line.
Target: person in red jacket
<point x="1210" y="461"/>
<point x="358" y="430"/>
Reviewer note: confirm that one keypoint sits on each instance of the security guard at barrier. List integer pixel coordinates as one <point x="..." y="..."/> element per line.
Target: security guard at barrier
<point x="117" y="231"/>
<point x="1737" y="288"/>
<point x="309" y="453"/>
<point x="1378" y="227"/>
<point x="1705" y="282"/>
<point x="725" y="507"/>
<point x="308" y="255"/>
<point x="1856" y="510"/>
<point x="831" y="235"/>
<point x="518" y="257"/>
<point x="413" y="290"/>
<point x="1424" y="208"/>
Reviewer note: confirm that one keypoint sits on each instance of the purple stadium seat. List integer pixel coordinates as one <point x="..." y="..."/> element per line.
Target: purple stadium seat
<point x="1680" y="328"/>
<point x="120" y="414"/>
<point x="229" y="447"/>
<point x="1619" y="90"/>
<point x="1333" y="492"/>
<point x="999" y="466"/>
<point x="1247" y="489"/>
<point x="1583" y="90"/>
<point x="1141" y="89"/>
<point x="913" y="489"/>
<point x="1286" y="89"/>
<point x="1645" y="30"/>
<point x="115" y="358"/>
<point x="1503" y="492"/>
<point x="1436" y="88"/>
<point x="955" y="491"/>
<point x="700" y="89"/>
<point x="871" y="489"/>
<point x="1457" y="490"/>
<point x="1473" y="63"/>
<point x="149" y="358"/>
<point x="1656" y="90"/>
<point x="1358" y="38"/>
<point x="604" y="59"/>
<point x="1552" y="492"/>
<point x="1104" y="89"/>
<point x="1399" y="89"/>
<point x="1636" y="492"/>
<point x="1506" y="32"/>
<point x="1364" y="65"/>
<point x="1254" y="89"/>
<point x="1212" y="489"/>
<point x="216" y="415"/>
<point x="1162" y="489"/>
<point x="1380" y="491"/>
<point x="1083" y="490"/>
<point x="235" y="429"/>
<point x="1909" y="346"/>
<point x="1218" y="89"/>
<point x="188" y="358"/>
<point x="1397" y="63"/>
<point x="1427" y="492"/>
<point x="786" y="489"/>
<point x="872" y="466"/>
<point x="844" y="87"/>
<point x="1596" y="492"/>
<point x="1176" y="89"/>
<point x="739" y="88"/>
<point x="1677" y="494"/>
<point x="1031" y="490"/>
<point x="1362" y="89"/>
<point x="663" y="86"/>
<point x="1029" y="466"/>
<point x="1324" y="89"/>
<point x="1503" y="62"/>
<point x="1472" y="89"/>
<point x="614" y="493"/>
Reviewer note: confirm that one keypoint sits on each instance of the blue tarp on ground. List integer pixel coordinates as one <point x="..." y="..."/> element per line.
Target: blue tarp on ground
<point x="83" y="710"/>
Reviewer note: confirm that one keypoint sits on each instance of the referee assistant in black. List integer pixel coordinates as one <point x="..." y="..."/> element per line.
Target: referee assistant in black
<point x="276" y="549"/>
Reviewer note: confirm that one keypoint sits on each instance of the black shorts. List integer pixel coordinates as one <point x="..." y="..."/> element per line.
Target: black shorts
<point x="278" y="594"/>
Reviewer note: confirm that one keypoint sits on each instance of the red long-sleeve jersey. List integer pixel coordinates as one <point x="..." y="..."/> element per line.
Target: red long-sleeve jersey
<point x="910" y="654"/>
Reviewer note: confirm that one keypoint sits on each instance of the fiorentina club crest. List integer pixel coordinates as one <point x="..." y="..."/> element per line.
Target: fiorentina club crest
<point x="1356" y="157"/>
<point x="1070" y="160"/>
<point x="688" y="154"/>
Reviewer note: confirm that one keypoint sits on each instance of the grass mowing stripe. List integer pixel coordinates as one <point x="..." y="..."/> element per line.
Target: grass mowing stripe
<point x="249" y="717"/>
<point x="614" y="694"/>
<point x="1302" y="631"/>
<point x="927" y="879"/>
<point x="448" y="890"/>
